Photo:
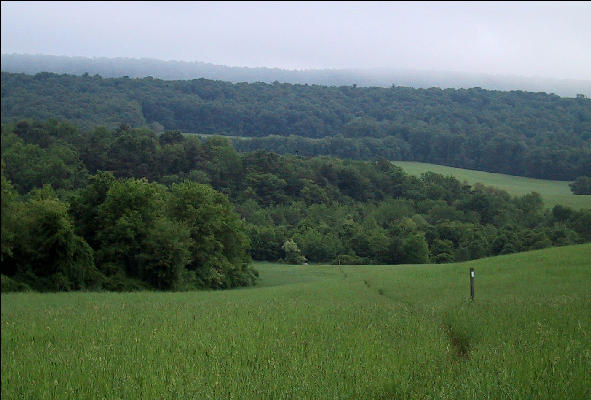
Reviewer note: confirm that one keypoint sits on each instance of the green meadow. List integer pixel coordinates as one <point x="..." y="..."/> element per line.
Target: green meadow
<point x="317" y="332"/>
<point x="552" y="192"/>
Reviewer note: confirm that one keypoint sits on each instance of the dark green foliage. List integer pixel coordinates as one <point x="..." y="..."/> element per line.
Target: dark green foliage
<point x="415" y="249"/>
<point x="45" y="155"/>
<point x="561" y="235"/>
<point x="293" y="254"/>
<point x="266" y="241"/>
<point x="442" y="251"/>
<point x="145" y="236"/>
<point x="580" y="222"/>
<point x="219" y="247"/>
<point x="184" y="237"/>
<point x="11" y="285"/>
<point x="165" y="254"/>
<point x="520" y="133"/>
<point x="318" y="246"/>
<point x="126" y="218"/>
<point x="581" y="185"/>
<point x="346" y="259"/>
<point x="176" y="213"/>
<point x="46" y="253"/>
<point x="85" y="205"/>
<point x="9" y="219"/>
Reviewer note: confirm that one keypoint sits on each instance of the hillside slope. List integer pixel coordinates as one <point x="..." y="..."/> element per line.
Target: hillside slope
<point x="519" y="133"/>
<point x="552" y="192"/>
<point x="364" y="332"/>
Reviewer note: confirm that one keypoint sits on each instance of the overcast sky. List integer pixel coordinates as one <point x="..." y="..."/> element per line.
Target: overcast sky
<point x="546" y="39"/>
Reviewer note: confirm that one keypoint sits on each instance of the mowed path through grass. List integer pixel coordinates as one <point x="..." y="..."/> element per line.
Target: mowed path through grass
<point x="552" y="192"/>
<point x="317" y="332"/>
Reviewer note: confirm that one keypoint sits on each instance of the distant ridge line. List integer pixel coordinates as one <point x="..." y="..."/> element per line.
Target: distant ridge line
<point x="378" y="77"/>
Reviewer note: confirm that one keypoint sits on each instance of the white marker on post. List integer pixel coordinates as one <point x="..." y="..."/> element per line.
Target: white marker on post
<point x="472" y="283"/>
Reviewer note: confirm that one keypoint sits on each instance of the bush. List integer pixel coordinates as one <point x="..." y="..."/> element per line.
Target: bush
<point x="581" y="185"/>
<point x="293" y="255"/>
<point x="10" y="285"/>
<point x="348" y="259"/>
<point x="415" y="248"/>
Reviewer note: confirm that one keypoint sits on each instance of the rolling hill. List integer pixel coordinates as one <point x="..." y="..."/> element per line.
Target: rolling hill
<point x="364" y="332"/>
<point x="552" y="192"/>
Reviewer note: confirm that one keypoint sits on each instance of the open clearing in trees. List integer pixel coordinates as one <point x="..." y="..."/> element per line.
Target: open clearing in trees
<point x="311" y="332"/>
<point x="552" y="192"/>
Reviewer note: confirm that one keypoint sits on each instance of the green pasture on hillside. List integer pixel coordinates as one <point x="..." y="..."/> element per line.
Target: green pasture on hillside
<point x="317" y="332"/>
<point x="553" y="192"/>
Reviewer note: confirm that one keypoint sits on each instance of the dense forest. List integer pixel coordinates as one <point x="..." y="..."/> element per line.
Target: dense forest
<point x="519" y="133"/>
<point x="129" y="208"/>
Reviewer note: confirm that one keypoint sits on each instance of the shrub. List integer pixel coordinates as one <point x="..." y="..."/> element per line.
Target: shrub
<point x="581" y="185"/>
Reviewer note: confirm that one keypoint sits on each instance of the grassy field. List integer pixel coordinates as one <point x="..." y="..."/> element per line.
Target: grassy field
<point x="553" y="192"/>
<point x="317" y="332"/>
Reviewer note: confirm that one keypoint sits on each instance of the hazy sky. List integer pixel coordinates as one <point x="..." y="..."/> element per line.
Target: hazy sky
<point x="547" y="39"/>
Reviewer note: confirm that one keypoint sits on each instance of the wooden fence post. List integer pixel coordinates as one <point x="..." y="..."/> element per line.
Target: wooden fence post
<point x="472" y="283"/>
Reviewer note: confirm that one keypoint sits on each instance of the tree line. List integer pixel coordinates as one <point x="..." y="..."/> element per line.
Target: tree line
<point x="122" y="234"/>
<point x="381" y="77"/>
<point x="520" y="133"/>
<point x="129" y="208"/>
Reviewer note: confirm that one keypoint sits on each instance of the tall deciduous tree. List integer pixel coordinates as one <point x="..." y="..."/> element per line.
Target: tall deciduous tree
<point x="48" y="254"/>
<point x="219" y="246"/>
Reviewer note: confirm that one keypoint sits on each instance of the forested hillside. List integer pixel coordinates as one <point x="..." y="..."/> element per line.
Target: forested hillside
<point x="520" y="133"/>
<point x="128" y="208"/>
<point x="380" y="77"/>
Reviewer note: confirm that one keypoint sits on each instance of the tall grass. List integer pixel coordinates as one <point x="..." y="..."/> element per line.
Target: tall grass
<point x="317" y="332"/>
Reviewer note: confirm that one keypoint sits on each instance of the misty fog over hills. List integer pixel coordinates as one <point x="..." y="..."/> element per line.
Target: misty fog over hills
<point x="381" y="77"/>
